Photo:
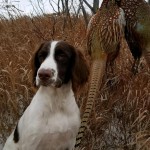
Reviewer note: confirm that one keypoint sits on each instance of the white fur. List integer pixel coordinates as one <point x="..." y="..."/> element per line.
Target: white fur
<point x="49" y="63"/>
<point x="51" y="121"/>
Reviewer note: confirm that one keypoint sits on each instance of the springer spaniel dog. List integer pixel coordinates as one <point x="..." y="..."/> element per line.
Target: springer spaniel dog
<point x="52" y="120"/>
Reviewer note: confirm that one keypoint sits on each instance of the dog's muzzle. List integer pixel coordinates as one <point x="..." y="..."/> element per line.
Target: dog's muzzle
<point x="46" y="78"/>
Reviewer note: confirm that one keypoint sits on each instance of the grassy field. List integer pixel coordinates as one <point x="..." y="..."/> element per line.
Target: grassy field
<point x="121" y="115"/>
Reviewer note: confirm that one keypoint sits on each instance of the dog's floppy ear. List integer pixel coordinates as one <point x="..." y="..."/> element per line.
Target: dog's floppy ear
<point x="35" y="64"/>
<point x="80" y="71"/>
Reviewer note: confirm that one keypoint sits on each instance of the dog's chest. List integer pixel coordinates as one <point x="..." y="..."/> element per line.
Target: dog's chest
<point x="56" y="128"/>
<point x="56" y="122"/>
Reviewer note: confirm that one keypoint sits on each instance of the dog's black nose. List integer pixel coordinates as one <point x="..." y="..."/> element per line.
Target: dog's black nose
<point x="46" y="74"/>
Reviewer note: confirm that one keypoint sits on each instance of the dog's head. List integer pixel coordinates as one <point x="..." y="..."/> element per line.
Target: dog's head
<point x="56" y="63"/>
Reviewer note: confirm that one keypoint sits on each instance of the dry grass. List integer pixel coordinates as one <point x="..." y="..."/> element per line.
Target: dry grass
<point x="19" y="38"/>
<point x="121" y="116"/>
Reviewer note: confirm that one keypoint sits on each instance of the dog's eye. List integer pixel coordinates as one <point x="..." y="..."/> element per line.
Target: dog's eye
<point x="42" y="56"/>
<point x="61" y="58"/>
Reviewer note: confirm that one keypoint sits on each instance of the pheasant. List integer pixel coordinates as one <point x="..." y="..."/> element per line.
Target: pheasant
<point x="137" y="30"/>
<point x="104" y="33"/>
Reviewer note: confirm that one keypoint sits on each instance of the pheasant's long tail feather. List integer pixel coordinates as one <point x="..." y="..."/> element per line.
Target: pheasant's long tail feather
<point x="97" y="72"/>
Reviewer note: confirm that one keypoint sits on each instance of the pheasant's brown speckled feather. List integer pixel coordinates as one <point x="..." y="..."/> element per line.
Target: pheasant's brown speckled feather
<point x="137" y="15"/>
<point x="105" y="30"/>
<point x="104" y="34"/>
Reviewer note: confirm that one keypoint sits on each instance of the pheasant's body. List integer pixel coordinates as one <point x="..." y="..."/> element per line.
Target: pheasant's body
<point x="105" y="31"/>
<point x="104" y="34"/>
<point x="137" y="15"/>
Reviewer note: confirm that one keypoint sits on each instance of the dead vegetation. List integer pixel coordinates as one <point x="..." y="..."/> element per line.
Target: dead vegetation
<point x="121" y="115"/>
